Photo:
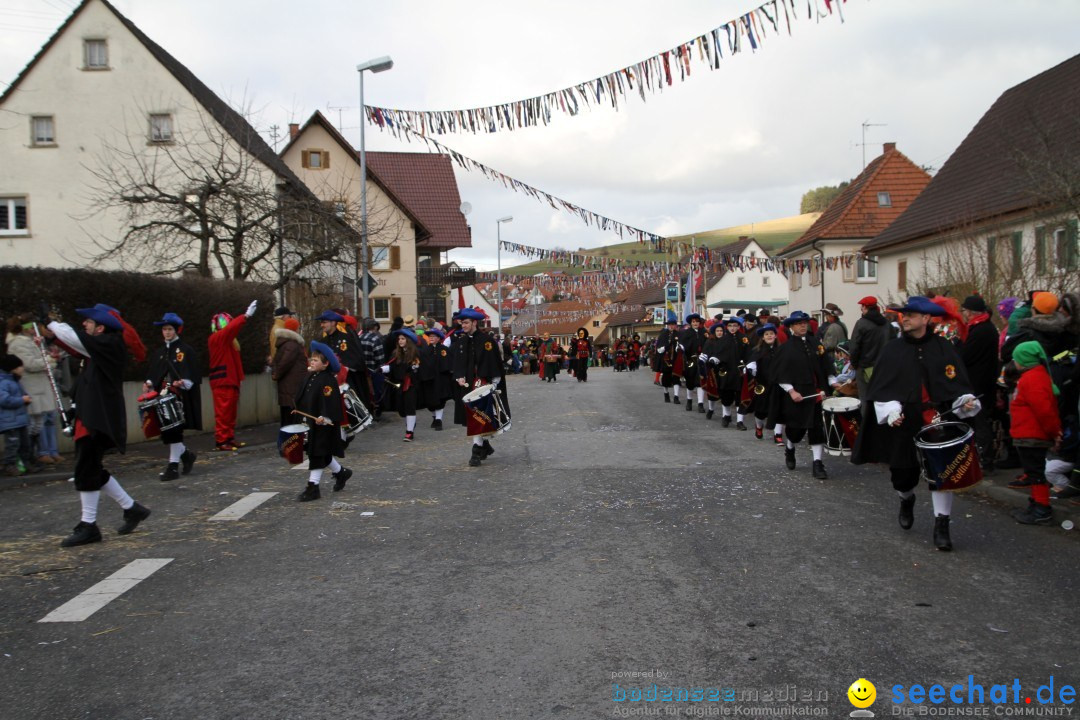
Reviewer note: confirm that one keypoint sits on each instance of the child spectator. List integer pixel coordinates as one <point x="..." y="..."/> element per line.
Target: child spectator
<point x="15" y="418"/>
<point x="1036" y="427"/>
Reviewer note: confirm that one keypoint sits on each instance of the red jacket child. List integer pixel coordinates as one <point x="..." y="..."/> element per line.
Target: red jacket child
<point x="226" y="374"/>
<point x="1033" y="409"/>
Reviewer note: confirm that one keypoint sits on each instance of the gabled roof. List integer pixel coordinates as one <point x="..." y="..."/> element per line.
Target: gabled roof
<point x="317" y="118"/>
<point x="982" y="179"/>
<point x="855" y="213"/>
<point x="238" y="128"/>
<point x="426" y="182"/>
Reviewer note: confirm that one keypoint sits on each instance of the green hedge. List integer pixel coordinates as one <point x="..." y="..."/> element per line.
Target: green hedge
<point x="142" y="299"/>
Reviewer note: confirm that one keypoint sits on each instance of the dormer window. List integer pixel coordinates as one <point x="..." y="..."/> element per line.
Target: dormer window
<point x="315" y="159"/>
<point x="884" y="199"/>
<point x="95" y="55"/>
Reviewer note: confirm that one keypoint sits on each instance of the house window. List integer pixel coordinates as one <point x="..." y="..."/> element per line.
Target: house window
<point x="1043" y="250"/>
<point x="42" y="131"/>
<point x="315" y="159"/>
<point x="884" y="199"/>
<point x="95" y="55"/>
<point x="865" y="269"/>
<point x="847" y="273"/>
<point x="381" y="308"/>
<point x="161" y="130"/>
<point x="765" y="281"/>
<point x="1065" y="242"/>
<point x="795" y="281"/>
<point x="901" y="276"/>
<point x="740" y="282"/>
<point x="13" y="219"/>
<point x="596" y="323"/>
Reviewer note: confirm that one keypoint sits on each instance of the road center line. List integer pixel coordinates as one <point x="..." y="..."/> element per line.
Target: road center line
<point x="89" y="602"/>
<point x="243" y="506"/>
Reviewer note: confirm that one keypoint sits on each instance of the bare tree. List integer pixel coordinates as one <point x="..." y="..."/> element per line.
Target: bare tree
<point x="197" y="201"/>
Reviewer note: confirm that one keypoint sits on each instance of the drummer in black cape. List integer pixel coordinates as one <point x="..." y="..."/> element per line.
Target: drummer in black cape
<point x="693" y="341"/>
<point x="800" y="369"/>
<point x="175" y="367"/>
<point x="436" y="375"/>
<point x="666" y="355"/>
<point x="319" y="403"/>
<point x="476" y="362"/>
<point x="917" y="376"/>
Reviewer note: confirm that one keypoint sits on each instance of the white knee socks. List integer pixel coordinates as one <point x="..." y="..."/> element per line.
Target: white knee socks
<point x="818" y="450"/>
<point x="113" y="490"/>
<point x="89" y="502"/>
<point x="759" y="423"/>
<point x="942" y="502"/>
<point x="314" y="476"/>
<point x="335" y="466"/>
<point x="438" y="414"/>
<point x="175" y="451"/>
<point x="711" y="406"/>
<point x="478" y="440"/>
<point x="739" y="417"/>
<point x="701" y="396"/>
<point x="727" y="411"/>
<point x="410" y="423"/>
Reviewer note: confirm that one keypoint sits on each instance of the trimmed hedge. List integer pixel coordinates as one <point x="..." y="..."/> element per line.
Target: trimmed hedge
<point x="142" y="299"/>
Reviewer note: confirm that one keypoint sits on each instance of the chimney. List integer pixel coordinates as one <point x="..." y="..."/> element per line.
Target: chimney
<point x="294" y="130"/>
<point x="890" y="146"/>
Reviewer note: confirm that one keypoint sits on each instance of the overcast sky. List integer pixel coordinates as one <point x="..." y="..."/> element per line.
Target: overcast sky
<point x="735" y="145"/>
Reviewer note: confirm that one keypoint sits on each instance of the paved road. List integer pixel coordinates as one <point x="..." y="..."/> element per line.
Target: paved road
<point x="610" y="534"/>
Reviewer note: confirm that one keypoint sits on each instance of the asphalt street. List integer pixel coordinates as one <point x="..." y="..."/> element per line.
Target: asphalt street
<point x="612" y="542"/>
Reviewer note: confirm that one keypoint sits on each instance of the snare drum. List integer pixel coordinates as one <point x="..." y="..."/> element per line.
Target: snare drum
<point x="841" y="423"/>
<point x="947" y="456"/>
<point x="170" y="411"/>
<point x="357" y="416"/>
<point x="148" y="415"/>
<point x="485" y="414"/>
<point x="290" y="442"/>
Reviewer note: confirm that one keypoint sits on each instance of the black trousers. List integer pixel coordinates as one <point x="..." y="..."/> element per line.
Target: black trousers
<point x="904" y="479"/>
<point x="90" y="472"/>
<point x="1034" y="461"/>
<point x="816" y="431"/>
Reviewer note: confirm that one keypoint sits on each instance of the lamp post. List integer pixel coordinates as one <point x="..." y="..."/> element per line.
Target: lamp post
<point x="498" y="260"/>
<point x="379" y="64"/>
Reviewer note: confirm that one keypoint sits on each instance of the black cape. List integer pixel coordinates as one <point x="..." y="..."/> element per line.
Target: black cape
<point x="178" y="361"/>
<point x="319" y="396"/>
<point x="99" y="388"/>
<point x="801" y="363"/>
<point x="905" y="366"/>
<point x="477" y="360"/>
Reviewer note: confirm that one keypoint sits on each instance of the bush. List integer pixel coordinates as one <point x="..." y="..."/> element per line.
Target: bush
<point x="142" y="299"/>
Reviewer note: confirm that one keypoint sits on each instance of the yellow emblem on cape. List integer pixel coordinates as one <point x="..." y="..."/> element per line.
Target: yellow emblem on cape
<point x="444" y="352"/>
<point x="950" y="371"/>
<point x="343" y="346"/>
<point x="327" y="391"/>
<point x="745" y="340"/>
<point x="179" y="356"/>
<point x="487" y="346"/>
<point x="820" y="349"/>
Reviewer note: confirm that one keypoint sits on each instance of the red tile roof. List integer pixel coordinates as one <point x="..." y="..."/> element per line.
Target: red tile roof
<point x="984" y="178"/>
<point x="855" y="212"/>
<point x="426" y="183"/>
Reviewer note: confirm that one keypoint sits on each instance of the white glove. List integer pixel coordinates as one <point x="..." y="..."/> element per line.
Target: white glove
<point x="752" y="368"/>
<point x="251" y="308"/>
<point x="888" y="412"/>
<point x="186" y="384"/>
<point x="703" y="358"/>
<point x="416" y="367"/>
<point x="495" y="381"/>
<point x="385" y="369"/>
<point x="661" y="350"/>
<point x="960" y="411"/>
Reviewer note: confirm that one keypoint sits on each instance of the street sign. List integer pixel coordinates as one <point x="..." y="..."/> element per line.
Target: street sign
<point x="671" y="292"/>
<point x="370" y="282"/>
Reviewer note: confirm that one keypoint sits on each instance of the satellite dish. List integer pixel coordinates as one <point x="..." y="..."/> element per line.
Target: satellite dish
<point x="466" y="208"/>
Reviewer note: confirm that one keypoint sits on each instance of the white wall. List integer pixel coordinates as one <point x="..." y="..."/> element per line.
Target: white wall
<point x="758" y="285"/>
<point x="845" y="293"/>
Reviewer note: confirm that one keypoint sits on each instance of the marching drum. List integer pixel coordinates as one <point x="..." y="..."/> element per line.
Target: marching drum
<point x="947" y="456"/>
<point x="841" y="423"/>
<point x="356" y="415"/>
<point x="484" y="412"/>
<point x="170" y="411"/>
<point x="151" y="427"/>
<point x="290" y="442"/>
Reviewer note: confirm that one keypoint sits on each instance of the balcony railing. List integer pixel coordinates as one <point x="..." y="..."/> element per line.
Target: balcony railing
<point x="453" y="276"/>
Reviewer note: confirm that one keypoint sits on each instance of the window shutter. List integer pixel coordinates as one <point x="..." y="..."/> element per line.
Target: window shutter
<point x="1040" y="250"/>
<point x="991" y="258"/>
<point x="370" y="255"/>
<point x="325" y="160"/>
<point x="395" y="257"/>
<point x="1072" y="251"/>
<point x="304" y="159"/>
<point x="1017" y="253"/>
<point x="395" y="307"/>
<point x="901" y="276"/>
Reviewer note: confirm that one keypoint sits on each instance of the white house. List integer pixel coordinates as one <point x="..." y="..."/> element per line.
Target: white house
<point x="746" y="285"/>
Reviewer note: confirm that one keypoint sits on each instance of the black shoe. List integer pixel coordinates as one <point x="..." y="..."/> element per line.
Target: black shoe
<point x="1068" y="493"/>
<point x="1022" y="482"/>
<point x="725" y="421"/>
<point x="907" y="512"/>
<point x="311" y="492"/>
<point x="132" y="517"/>
<point x="689" y="405"/>
<point x="477" y="456"/>
<point x="789" y="458"/>
<point x="83" y="534"/>
<point x="488" y="450"/>
<point x="667" y="398"/>
<point x="341" y="477"/>
<point x="942" y="541"/>
<point x="819" y="471"/>
<point x="740" y="425"/>
<point x="172" y="472"/>
<point x="436" y="424"/>
<point x="187" y="461"/>
<point x="1033" y="514"/>
<point x="708" y="415"/>
<point x="700" y="408"/>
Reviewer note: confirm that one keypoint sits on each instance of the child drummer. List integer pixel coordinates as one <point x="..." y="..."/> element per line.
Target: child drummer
<point x="319" y="401"/>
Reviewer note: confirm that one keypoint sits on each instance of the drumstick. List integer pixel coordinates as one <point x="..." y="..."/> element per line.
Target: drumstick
<point x="298" y="412"/>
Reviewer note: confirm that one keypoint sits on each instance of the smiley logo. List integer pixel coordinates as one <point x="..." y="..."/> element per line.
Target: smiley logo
<point x="862" y="693"/>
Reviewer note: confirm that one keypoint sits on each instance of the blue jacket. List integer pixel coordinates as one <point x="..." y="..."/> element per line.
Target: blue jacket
<point x="13" y="412"/>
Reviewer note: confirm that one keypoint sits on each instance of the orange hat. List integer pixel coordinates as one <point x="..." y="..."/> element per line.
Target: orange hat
<point x="869" y="300"/>
<point x="1045" y="303"/>
<point x="292" y="323"/>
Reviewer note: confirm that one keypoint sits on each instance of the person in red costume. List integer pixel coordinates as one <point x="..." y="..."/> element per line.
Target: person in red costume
<point x="226" y="374"/>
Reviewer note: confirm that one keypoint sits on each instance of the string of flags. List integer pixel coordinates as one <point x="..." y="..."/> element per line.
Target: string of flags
<point x="649" y="76"/>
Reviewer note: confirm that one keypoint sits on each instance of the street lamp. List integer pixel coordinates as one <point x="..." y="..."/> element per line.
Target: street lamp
<point x="377" y="65"/>
<point x="498" y="259"/>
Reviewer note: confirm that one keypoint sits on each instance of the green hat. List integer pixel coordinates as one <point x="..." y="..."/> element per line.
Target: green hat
<point x="1029" y="354"/>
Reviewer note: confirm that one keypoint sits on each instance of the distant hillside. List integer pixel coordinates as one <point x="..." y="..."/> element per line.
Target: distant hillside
<point x="771" y="235"/>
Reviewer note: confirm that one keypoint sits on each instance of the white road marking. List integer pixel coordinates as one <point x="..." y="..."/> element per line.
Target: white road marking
<point x="367" y="514"/>
<point x="242" y="507"/>
<point x="89" y="602"/>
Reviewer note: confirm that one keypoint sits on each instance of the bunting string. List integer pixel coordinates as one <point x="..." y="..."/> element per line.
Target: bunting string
<point x="647" y="77"/>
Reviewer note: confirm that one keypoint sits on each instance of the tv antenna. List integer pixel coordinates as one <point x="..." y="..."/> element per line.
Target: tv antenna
<point x="866" y="124"/>
<point x="340" y="109"/>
